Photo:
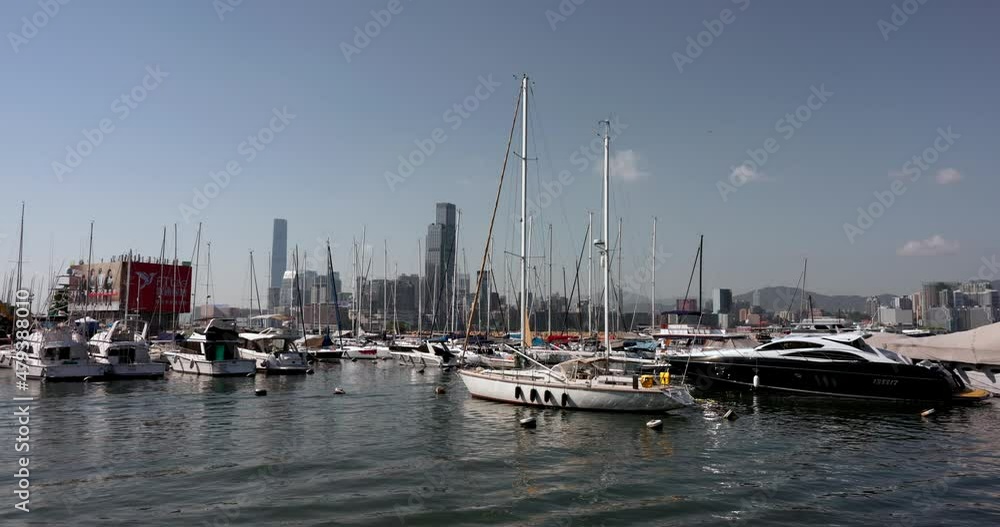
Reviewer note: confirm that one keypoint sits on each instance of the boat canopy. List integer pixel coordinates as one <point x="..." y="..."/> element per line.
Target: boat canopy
<point x="977" y="346"/>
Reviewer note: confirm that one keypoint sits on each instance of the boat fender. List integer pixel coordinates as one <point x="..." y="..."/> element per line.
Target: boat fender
<point x="756" y="381"/>
<point x="635" y="382"/>
<point x="565" y="399"/>
<point x="549" y="397"/>
<point x="534" y="396"/>
<point x="518" y="393"/>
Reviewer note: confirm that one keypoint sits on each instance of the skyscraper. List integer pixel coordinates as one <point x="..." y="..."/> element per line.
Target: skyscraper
<point x="722" y="300"/>
<point x="439" y="262"/>
<point x="279" y="259"/>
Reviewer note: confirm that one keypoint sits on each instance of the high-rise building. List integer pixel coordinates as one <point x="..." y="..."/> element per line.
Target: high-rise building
<point x="722" y="300"/>
<point x="439" y="262"/>
<point x="931" y="297"/>
<point x="902" y="302"/>
<point x="279" y="260"/>
<point x="756" y="298"/>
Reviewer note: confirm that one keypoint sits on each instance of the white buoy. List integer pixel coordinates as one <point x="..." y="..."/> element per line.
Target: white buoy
<point x="86" y="379"/>
<point x="528" y="422"/>
<point x="730" y="415"/>
<point x="251" y="374"/>
<point x="655" y="424"/>
<point x="339" y="391"/>
<point x="260" y="393"/>
<point x="310" y="371"/>
<point x="440" y="390"/>
<point x="756" y="381"/>
<point x="927" y="413"/>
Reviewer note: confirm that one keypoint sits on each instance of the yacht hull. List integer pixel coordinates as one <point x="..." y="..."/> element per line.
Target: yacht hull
<point x="532" y="389"/>
<point x="881" y="381"/>
<point x="150" y="370"/>
<point x="66" y="372"/>
<point x="198" y="365"/>
<point x="285" y="364"/>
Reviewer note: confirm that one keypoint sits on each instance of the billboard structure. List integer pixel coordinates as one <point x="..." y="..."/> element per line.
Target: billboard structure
<point x="152" y="287"/>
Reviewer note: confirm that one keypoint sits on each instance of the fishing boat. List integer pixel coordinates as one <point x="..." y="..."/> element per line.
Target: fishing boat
<point x="123" y="349"/>
<point x="834" y="364"/>
<point x="273" y="351"/>
<point x="211" y="351"/>
<point x="584" y="384"/>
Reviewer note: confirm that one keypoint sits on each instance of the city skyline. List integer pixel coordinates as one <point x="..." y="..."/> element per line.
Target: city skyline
<point x="895" y="122"/>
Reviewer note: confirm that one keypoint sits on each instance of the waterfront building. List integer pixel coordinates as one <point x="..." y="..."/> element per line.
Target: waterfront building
<point x="279" y="261"/>
<point x="722" y="301"/>
<point x="895" y="317"/>
<point x="439" y="262"/>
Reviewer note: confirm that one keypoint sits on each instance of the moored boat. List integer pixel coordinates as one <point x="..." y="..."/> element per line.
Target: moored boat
<point x="210" y="351"/>
<point x="123" y="349"/>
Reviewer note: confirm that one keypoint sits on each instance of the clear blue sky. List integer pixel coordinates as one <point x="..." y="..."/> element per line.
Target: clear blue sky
<point x="686" y="130"/>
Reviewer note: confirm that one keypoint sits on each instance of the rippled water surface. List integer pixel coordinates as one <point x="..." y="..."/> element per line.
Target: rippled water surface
<point x="198" y="451"/>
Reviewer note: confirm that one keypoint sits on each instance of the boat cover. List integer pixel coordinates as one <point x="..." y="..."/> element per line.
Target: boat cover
<point x="977" y="346"/>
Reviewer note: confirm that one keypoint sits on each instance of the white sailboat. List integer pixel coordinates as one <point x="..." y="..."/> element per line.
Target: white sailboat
<point x="123" y="349"/>
<point x="584" y="384"/>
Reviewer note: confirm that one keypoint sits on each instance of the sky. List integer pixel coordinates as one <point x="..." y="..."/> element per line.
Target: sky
<point x="858" y="134"/>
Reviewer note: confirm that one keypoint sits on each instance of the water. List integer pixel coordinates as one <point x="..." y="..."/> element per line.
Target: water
<point x="197" y="451"/>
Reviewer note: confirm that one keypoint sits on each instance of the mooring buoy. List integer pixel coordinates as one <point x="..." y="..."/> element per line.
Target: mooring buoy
<point x="251" y="374"/>
<point x="339" y="391"/>
<point x="260" y="393"/>
<point x="731" y="415"/>
<point x="310" y="371"/>
<point x="655" y="424"/>
<point x="528" y="422"/>
<point x="927" y="413"/>
<point x="440" y="390"/>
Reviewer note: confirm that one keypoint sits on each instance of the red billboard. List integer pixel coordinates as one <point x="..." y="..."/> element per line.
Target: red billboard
<point x="150" y="286"/>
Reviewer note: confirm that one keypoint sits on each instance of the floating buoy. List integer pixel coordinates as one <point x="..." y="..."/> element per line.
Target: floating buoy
<point x="355" y="359"/>
<point x="756" y="381"/>
<point x="655" y="424"/>
<point x="439" y="390"/>
<point x="251" y="374"/>
<point x="86" y="379"/>
<point x="528" y="422"/>
<point x="927" y="413"/>
<point x="421" y="370"/>
<point x="730" y="415"/>
<point x="310" y="371"/>
<point x="339" y="391"/>
<point x="260" y="393"/>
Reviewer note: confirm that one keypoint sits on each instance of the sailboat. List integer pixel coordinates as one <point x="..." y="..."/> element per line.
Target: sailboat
<point x="583" y="384"/>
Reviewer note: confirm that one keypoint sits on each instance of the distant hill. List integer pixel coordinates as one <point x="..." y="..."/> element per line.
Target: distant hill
<point x="778" y="298"/>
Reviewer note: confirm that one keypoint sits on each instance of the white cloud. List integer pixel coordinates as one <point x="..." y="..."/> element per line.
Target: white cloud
<point x="747" y="174"/>
<point x="933" y="246"/>
<point x="947" y="176"/>
<point x="625" y="164"/>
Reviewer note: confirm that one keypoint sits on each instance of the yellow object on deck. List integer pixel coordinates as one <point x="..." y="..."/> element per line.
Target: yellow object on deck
<point x="976" y="394"/>
<point x="664" y="377"/>
<point x="646" y="381"/>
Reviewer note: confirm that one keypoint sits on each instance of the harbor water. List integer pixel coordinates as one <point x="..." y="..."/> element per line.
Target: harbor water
<point x="192" y="450"/>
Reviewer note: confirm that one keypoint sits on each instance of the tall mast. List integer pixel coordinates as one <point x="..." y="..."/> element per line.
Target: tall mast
<point x="550" y="279"/>
<point x="420" y="289"/>
<point x="489" y="289"/>
<point x="652" y="281"/>
<point x="173" y="285"/>
<point x="618" y="256"/>
<point x="90" y="263"/>
<point x="701" y="269"/>
<point x="590" y="275"/>
<point x="524" y="212"/>
<point x="208" y="275"/>
<point x="385" y="283"/>
<point x="20" y="252"/>
<point x="395" y="297"/>
<point x="454" y="279"/>
<point x="194" y="279"/>
<point x="605" y="234"/>
<point x="128" y="281"/>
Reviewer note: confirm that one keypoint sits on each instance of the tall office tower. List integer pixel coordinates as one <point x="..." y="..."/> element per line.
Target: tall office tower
<point x="279" y="259"/>
<point x="439" y="264"/>
<point x="931" y="296"/>
<point x="755" y="300"/>
<point x="722" y="300"/>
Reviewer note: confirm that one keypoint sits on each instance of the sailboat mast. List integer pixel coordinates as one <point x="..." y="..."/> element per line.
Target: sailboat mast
<point x="173" y="285"/>
<point x="524" y="212"/>
<point x="454" y="278"/>
<point x="194" y="279"/>
<point x="128" y="281"/>
<point x="605" y="234"/>
<point x="701" y="269"/>
<point x="590" y="275"/>
<point x="652" y="281"/>
<point x="619" y="304"/>
<point x="420" y="289"/>
<point x="20" y="252"/>
<point x="90" y="263"/>
<point x="550" y="280"/>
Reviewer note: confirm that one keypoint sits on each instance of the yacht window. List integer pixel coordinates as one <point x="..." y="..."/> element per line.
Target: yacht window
<point x="828" y="355"/>
<point x="858" y="344"/>
<point x="790" y="345"/>
<point x="191" y="346"/>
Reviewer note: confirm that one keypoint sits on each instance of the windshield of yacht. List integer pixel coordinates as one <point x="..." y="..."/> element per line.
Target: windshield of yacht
<point x="734" y="343"/>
